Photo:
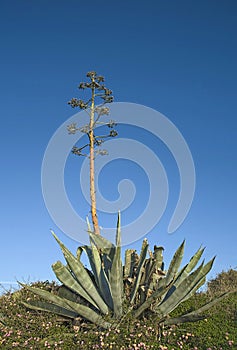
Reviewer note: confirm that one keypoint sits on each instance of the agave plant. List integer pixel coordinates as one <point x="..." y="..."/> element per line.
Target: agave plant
<point x="108" y="292"/>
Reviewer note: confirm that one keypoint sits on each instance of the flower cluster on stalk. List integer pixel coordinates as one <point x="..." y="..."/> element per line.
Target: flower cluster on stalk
<point x="98" y="91"/>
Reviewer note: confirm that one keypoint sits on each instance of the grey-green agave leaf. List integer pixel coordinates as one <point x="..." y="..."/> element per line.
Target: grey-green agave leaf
<point x="197" y="314"/>
<point x="131" y="261"/>
<point x="189" y="267"/>
<point x="63" y="275"/>
<point x="82" y="277"/>
<point x="56" y="300"/>
<point x="211" y="303"/>
<point x="183" y="319"/>
<point x="156" y="295"/>
<point x="81" y="310"/>
<point x="128" y="263"/>
<point x="142" y="259"/>
<point x="116" y="276"/>
<point x="174" y="297"/>
<point x="175" y="264"/>
<point x="49" y="307"/>
<point x="104" y="245"/>
<point x="158" y="256"/>
<point x="99" y="274"/>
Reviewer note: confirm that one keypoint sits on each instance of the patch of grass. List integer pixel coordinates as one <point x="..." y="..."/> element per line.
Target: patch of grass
<point x="217" y="331"/>
<point x="24" y="329"/>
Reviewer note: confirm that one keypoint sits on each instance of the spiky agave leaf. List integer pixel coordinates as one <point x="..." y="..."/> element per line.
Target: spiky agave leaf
<point x="106" y="250"/>
<point x="64" y="275"/>
<point x="103" y="244"/>
<point x="82" y="310"/>
<point x="190" y="266"/>
<point x="177" y="295"/>
<point x="166" y="297"/>
<point x="156" y="295"/>
<point x="211" y="303"/>
<point x="99" y="273"/>
<point x="116" y="276"/>
<point x="49" y="307"/>
<point x="79" y="253"/>
<point x="139" y="269"/>
<point x="154" y="270"/>
<point x="196" y="315"/>
<point x="182" y="319"/>
<point x="175" y="264"/>
<point x="149" y="267"/>
<point x="129" y="263"/>
<point x="65" y="292"/>
<point x="158" y="256"/>
<point x="174" y="295"/>
<point x="55" y="299"/>
<point x="90" y="315"/>
<point x="82" y="277"/>
<point x="184" y="273"/>
<point x="195" y="288"/>
<point x="194" y="260"/>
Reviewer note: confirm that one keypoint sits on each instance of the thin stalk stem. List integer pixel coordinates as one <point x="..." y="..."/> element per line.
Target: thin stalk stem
<point x="92" y="165"/>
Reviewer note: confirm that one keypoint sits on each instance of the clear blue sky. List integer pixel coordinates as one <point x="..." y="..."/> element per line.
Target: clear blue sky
<point x="178" y="57"/>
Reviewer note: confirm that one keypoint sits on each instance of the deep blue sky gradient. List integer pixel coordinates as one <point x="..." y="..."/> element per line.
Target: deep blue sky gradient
<point x="178" y="57"/>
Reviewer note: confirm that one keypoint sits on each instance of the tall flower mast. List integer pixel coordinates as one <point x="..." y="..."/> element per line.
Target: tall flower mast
<point x="98" y="90"/>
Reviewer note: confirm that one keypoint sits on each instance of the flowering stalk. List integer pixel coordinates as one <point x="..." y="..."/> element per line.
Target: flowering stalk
<point x="92" y="162"/>
<point x="97" y="90"/>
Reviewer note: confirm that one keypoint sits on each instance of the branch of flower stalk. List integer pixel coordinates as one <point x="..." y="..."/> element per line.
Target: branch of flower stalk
<point x="112" y="133"/>
<point x="98" y="117"/>
<point x="77" y="151"/>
